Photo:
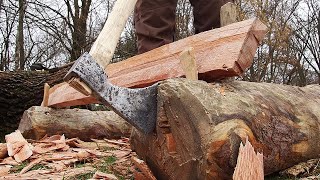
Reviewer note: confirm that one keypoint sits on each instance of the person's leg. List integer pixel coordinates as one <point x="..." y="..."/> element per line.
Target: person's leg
<point x="154" y="23"/>
<point x="207" y="14"/>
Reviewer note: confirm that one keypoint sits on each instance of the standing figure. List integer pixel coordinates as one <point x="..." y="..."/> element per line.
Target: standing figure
<point x="155" y="20"/>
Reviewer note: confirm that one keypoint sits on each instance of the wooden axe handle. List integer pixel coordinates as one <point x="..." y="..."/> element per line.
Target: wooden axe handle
<point x="106" y="43"/>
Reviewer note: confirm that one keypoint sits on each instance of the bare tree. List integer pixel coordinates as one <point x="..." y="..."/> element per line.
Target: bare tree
<point x="19" y="53"/>
<point x="79" y="15"/>
<point x="275" y="60"/>
<point x="307" y="38"/>
<point x="0" y="6"/>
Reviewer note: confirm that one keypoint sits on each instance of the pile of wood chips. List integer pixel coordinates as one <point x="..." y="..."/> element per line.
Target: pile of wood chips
<point x="56" y="157"/>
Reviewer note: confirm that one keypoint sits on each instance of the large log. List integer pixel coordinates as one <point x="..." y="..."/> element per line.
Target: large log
<point x="219" y="53"/>
<point x="200" y="126"/>
<point x="84" y="124"/>
<point x="21" y="90"/>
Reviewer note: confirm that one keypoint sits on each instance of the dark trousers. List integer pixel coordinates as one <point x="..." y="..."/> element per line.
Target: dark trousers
<point x="155" y="20"/>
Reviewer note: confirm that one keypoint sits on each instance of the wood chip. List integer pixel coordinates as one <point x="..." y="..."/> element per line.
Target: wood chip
<point x="18" y="147"/>
<point x="249" y="164"/>
<point x="101" y="175"/>
<point x="121" y="154"/>
<point x="50" y="144"/>
<point x="4" y="170"/>
<point x="60" y="165"/>
<point x="24" y="153"/>
<point x="74" y="172"/>
<point x="143" y="167"/>
<point x="30" y="165"/>
<point x="116" y="142"/>
<point x="15" y="142"/>
<point x="9" y="161"/>
<point x="139" y="175"/>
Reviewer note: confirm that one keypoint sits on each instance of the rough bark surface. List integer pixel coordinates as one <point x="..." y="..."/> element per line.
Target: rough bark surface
<point x="200" y="126"/>
<point x="21" y="90"/>
<point x="84" y="124"/>
<point x="3" y="151"/>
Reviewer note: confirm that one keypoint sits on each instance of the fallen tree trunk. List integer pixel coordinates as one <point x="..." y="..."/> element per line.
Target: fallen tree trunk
<point x="219" y="53"/>
<point x="200" y="127"/>
<point x="84" y="124"/>
<point x="21" y="90"/>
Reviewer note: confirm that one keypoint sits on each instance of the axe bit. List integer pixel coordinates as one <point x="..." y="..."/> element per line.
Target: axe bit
<point x="136" y="106"/>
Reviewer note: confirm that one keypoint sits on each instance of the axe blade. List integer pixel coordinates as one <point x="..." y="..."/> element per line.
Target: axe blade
<point x="136" y="106"/>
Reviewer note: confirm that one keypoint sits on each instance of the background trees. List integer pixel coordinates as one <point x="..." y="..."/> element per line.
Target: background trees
<point x="57" y="32"/>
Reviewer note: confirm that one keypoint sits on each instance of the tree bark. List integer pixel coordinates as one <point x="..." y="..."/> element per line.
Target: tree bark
<point x="83" y="124"/>
<point x="3" y="151"/>
<point x="20" y="56"/>
<point x="200" y="127"/>
<point x="21" y="90"/>
<point x="1" y="5"/>
<point x="79" y="31"/>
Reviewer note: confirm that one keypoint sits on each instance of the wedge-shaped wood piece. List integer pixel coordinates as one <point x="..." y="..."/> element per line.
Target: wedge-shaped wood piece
<point x="18" y="147"/>
<point x="63" y="95"/>
<point x="219" y="53"/>
<point x="249" y="164"/>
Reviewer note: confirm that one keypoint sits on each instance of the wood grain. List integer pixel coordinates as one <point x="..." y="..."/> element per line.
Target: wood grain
<point x="219" y="53"/>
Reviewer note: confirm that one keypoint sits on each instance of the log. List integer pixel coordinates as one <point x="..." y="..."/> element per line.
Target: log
<point x="200" y="126"/>
<point x="22" y="90"/>
<point x="219" y="53"/>
<point x="84" y="124"/>
<point x="3" y="151"/>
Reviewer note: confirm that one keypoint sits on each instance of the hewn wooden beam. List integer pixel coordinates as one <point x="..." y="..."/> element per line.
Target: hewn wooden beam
<point x="219" y="53"/>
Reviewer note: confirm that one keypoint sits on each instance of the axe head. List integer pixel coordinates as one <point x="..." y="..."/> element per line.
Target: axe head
<point x="136" y="106"/>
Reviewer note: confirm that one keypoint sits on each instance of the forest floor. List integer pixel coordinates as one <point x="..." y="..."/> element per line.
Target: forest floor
<point x="58" y="158"/>
<point x="72" y="159"/>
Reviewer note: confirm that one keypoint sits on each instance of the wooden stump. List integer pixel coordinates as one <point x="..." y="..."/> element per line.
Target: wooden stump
<point x="84" y="124"/>
<point x="200" y="126"/>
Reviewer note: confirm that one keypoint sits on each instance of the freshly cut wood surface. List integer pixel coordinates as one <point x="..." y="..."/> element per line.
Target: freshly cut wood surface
<point x="18" y="147"/>
<point x="219" y="53"/>
<point x="63" y="95"/>
<point x="38" y="121"/>
<point x="249" y="164"/>
<point x="142" y="166"/>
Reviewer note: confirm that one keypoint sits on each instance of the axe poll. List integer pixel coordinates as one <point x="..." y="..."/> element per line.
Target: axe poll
<point x="87" y="75"/>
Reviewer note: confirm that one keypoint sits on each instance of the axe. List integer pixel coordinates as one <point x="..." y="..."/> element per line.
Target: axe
<point x="87" y="75"/>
